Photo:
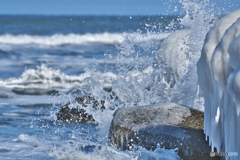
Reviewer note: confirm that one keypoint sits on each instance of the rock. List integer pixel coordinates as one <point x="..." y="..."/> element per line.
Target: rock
<point x="79" y="115"/>
<point x="168" y="125"/>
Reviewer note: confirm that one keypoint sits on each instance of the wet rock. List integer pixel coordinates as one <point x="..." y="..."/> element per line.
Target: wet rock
<point x="166" y="125"/>
<point x="78" y="114"/>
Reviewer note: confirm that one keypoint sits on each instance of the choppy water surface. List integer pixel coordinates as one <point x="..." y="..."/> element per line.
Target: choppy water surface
<point x="47" y="61"/>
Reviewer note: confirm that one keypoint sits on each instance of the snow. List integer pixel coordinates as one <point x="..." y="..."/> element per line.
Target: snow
<point x="219" y="78"/>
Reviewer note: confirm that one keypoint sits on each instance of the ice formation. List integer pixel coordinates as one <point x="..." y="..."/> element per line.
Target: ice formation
<point x="170" y="51"/>
<point x="219" y="78"/>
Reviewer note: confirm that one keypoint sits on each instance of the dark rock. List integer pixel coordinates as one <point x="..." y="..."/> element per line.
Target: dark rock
<point x="78" y="114"/>
<point x="166" y="125"/>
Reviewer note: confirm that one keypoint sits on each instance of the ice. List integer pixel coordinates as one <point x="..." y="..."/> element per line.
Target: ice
<point x="172" y="52"/>
<point x="219" y="79"/>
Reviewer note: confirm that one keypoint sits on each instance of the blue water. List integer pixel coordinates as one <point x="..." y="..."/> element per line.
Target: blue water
<point x="43" y="62"/>
<point x="18" y="45"/>
<point x="127" y="61"/>
<point x="49" y="25"/>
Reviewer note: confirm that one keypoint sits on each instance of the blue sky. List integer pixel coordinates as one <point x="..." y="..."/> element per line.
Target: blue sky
<point x="104" y="7"/>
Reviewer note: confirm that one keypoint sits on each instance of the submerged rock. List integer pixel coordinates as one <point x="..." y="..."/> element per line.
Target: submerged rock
<point x="78" y="114"/>
<point x="166" y="125"/>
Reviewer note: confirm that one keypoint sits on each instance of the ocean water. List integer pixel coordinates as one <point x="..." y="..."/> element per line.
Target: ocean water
<point x="47" y="61"/>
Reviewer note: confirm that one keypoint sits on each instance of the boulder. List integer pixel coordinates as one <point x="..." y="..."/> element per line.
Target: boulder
<point x="166" y="125"/>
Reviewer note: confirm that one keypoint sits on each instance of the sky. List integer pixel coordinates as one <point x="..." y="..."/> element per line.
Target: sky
<point x="106" y="7"/>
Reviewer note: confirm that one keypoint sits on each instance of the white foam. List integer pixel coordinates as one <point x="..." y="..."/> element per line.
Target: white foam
<point x="42" y="77"/>
<point x="107" y="152"/>
<point x="27" y="138"/>
<point x="75" y="39"/>
<point x="26" y="146"/>
<point x="219" y="79"/>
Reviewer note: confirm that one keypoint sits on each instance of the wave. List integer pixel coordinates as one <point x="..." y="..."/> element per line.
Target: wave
<point x="75" y="39"/>
<point x="46" y="81"/>
<point x="42" y="77"/>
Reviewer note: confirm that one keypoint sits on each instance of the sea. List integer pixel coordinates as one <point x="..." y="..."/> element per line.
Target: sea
<point x="48" y="61"/>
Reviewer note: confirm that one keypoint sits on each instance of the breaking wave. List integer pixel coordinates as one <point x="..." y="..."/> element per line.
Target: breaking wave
<point x="44" y="77"/>
<point x="75" y="39"/>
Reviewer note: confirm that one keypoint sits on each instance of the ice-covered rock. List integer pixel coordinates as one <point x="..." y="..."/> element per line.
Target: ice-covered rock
<point x="168" y="125"/>
<point x="219" y="78"/>
<point x="171" y="54"/>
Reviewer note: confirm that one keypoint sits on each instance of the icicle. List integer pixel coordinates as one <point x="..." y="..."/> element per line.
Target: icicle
<point x="219" y="79"/>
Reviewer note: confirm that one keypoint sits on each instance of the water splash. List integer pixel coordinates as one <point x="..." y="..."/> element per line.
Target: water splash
<point x="136" y="79"/>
